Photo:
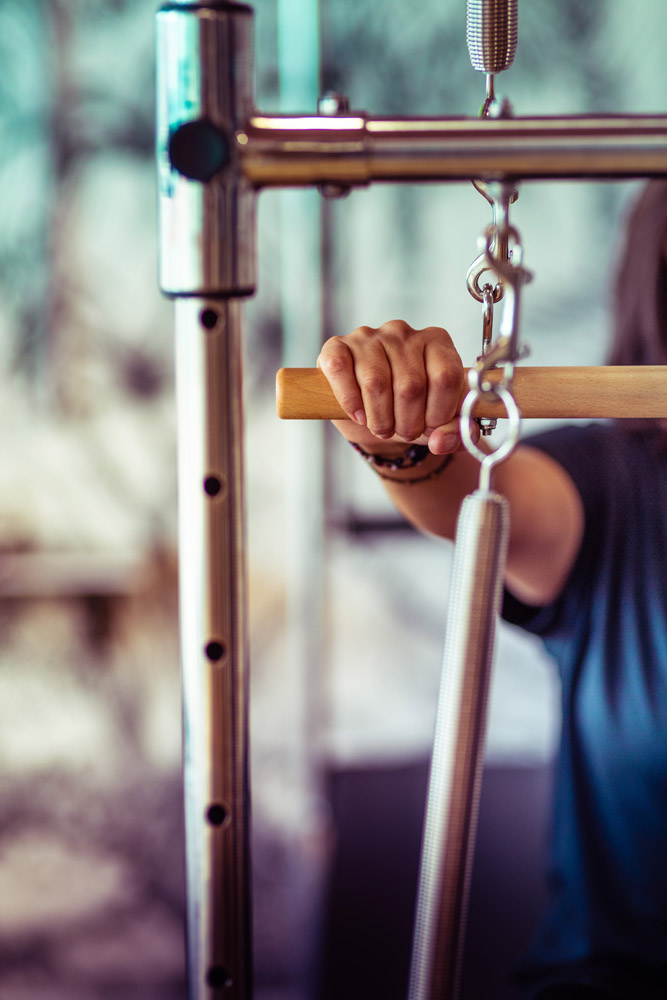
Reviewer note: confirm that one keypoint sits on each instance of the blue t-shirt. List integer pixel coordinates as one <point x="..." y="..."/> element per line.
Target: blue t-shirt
<point x="608" y="635"/>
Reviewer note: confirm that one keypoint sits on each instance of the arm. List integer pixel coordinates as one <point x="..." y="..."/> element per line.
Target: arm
<point x="401" y="385"/>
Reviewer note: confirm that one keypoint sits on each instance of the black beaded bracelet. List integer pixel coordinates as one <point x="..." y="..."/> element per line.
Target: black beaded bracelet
<point x="414" y="455"/>
<point x="421" y="479"/>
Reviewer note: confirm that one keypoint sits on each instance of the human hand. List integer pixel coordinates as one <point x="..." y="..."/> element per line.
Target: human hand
<point x="397" y="385"/>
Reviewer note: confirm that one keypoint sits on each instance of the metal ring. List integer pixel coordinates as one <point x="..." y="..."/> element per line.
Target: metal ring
<point x="489" y="460"/>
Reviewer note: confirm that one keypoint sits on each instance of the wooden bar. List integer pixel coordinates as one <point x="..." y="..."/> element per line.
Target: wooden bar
<point x="558" y="392"/>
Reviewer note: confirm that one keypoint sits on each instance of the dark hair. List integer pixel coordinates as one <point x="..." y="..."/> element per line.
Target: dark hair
<point x="640" y="314"/>
<point x="640" y="293"/>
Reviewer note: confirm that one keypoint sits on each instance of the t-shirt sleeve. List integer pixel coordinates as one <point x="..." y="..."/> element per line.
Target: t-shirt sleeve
<point x="582" y="453"/>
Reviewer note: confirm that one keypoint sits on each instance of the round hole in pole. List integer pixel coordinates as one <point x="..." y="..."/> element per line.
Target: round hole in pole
<point x="216" y="814"/>
<point x="213" y="486"/>
<point x="218" y="978"/>
<point x="198" y="149"/>
<point x="215" y="650"/>
<point x="208" y="318"/>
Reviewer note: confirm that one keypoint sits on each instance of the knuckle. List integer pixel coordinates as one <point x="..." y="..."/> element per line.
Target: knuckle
<point x="398" y="326"/>
<point x="334" y="357"/>
<point x="438" y="333"/>
<point x="382" y="428"/>
<point x="438" y="336"/>
<point x="447" y="378"/>
<point x="409" y="390"/>
<point x="397" y="332"/>
<point x="410" y="431"/>
<point x="376" y="383"/>
<point x="333" y="365"/>
<point x="367" y="336"/>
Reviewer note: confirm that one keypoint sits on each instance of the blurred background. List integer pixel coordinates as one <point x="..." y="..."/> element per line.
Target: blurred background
<point x="347" y="606"/>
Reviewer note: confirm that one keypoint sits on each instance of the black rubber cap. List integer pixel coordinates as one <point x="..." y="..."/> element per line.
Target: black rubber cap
<point x="198" y="150"/>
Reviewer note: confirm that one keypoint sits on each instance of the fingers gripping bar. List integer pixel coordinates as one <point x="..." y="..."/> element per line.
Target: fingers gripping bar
<point x="558" y="392"/>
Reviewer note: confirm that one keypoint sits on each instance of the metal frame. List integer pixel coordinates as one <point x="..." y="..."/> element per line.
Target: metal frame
<point x="214" y="153"/>
<point x="353" y="149"/>
<point x="204" y="88"/>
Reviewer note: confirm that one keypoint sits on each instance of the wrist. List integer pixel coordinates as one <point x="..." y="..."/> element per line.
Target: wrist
<point x="399" y="457"/>
<point x="414" y="463"/>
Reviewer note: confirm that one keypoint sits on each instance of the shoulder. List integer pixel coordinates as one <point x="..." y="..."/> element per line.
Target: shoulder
<point x="620" y="479"/>
<point x="575" y="489"/>
<point x="606" y="463"/>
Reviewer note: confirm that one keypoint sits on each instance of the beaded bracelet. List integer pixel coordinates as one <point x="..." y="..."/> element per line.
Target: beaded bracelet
<point x="421" y="479"/>
<point x="414" y="455"/>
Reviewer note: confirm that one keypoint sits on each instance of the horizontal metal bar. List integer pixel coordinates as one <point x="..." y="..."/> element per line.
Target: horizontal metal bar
<point x="558" y="392"/>
<point x="353" y="149"/>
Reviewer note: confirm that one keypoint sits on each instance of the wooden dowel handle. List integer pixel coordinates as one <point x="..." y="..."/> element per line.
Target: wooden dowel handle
<point x="618" y="391"/>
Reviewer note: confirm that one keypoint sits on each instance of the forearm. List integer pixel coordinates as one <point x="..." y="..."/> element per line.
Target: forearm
<point x="427" y="494"/>
<point x="433" y="505"/>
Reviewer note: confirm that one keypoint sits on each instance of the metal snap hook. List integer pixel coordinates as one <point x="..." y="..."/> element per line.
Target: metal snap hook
<point x="487" y="319"/>
<point x="507" y="265"/>
<point x="513" y="276"/>
<point x="497" y="256"/>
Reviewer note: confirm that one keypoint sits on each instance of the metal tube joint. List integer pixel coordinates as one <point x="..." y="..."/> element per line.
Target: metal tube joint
<point x="204" y="94"/>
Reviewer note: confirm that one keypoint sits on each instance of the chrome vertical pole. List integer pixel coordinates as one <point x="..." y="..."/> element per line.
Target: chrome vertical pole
<point x="204" y="92"/>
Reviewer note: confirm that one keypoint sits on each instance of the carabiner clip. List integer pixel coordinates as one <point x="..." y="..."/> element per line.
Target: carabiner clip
<point x="500" y="196"/>
<point x="513" y="276"/>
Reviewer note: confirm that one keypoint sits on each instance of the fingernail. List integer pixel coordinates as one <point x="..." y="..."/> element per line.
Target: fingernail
<point x="359" y="417"/>
<point x="450" y="442"/>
